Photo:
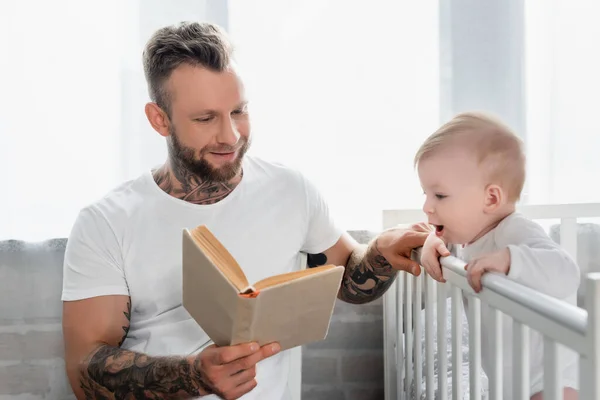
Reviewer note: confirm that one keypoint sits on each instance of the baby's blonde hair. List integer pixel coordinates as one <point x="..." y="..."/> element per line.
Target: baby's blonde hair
<point x="496" y="147"/>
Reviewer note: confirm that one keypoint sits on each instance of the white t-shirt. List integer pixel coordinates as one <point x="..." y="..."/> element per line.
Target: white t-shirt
<point x="129" y="243"/>
<point x="541" y="264"/>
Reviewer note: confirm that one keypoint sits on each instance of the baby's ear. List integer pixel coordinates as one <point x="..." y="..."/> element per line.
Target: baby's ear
<point x="494" y="197"/>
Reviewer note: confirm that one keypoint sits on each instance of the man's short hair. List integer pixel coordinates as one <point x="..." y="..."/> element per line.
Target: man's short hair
<point x="195" y="43"/>
<point x="497" y="148"/>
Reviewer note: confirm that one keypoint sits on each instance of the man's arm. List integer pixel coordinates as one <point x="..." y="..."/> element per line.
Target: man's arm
<point x="368" y="274"/>
<point x="371" y="269"/>
<point x="98" y="368"/>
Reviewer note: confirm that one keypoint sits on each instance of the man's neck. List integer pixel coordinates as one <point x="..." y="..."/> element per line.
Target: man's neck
<point x="183" y="184"/>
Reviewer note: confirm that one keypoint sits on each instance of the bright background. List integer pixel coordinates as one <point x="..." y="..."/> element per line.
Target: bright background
<point x="343" y="90"/>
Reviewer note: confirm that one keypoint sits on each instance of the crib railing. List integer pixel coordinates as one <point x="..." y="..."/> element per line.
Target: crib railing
<point x="557" y="321"/>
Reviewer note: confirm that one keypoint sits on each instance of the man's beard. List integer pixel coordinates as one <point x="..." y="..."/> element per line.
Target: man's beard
<point x="183" y="157"/>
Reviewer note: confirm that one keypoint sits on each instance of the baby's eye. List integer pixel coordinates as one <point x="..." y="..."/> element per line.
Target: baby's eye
<point x="440" y="196"/>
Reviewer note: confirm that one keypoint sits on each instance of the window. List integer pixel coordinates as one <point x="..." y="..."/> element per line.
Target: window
<point x="562" y="87"/>
<point x="344" y="91"/>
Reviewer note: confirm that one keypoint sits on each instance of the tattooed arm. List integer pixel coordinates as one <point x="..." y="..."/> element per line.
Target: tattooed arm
<point x="370" y="270"/>
<point x="98" y="368"/>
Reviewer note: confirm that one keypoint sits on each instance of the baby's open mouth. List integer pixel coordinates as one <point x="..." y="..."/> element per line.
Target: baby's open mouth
<point x="439" y="229"/>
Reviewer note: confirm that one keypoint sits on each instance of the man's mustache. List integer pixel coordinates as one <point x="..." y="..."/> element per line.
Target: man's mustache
<point x="224" y="149"/>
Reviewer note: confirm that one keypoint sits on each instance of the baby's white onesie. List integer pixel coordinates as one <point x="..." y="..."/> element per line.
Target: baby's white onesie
<point x="541" y="264"/>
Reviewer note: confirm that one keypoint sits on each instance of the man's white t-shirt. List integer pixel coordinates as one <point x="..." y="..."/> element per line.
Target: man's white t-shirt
<point x="129" y="243"/>
<point x="541" y="264"/>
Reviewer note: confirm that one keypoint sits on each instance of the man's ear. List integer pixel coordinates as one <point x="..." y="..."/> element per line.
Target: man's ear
<point x="157" y="118"/>
<point x="494" y="198"/>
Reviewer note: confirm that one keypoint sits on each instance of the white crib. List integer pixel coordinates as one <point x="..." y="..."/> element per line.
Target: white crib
<point x="560" y="323"/>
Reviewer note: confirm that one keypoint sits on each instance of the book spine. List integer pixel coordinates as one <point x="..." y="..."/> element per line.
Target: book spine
<point x="243" y="327"/>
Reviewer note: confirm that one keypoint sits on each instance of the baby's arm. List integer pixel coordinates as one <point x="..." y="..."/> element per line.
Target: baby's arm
<point x="536" y="260"/>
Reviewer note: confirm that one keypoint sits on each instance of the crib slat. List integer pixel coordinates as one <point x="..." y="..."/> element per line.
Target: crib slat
<point x="568" y="236"/>
<point x="520" y="361"/>
<point x="456" y="343"/>
<point x="585" y="373"/>
<point x="408" y="334"/>
<point x="590" y="386"/>
<point x="442" y="347"/>
<point x="418" y="334"/>
<point x="429" y="304"/>
<point x="399" y="335"/>
<point x="495" y="379"/>
<point x="474" y="348"/>
<point x="552" y="386"/>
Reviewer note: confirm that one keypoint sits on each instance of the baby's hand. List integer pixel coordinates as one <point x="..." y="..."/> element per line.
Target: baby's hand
<point x="433" y="248"/>
<point x="498" y="261"/>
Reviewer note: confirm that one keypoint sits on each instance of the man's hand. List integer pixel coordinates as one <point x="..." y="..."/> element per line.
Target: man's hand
<point x="433" y="249"/>
<point x="371" y="269"/>
<point x="396" y="246"/>
<point x="230" y="371"/>
<point x="498" y="261"/>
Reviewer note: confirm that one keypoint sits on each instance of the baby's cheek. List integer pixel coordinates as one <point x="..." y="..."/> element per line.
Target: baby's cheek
<point x="469" y="222"/>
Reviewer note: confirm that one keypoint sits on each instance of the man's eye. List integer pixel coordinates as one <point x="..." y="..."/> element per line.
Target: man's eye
<point x="204" y="119"/>
<point x="440" y="196"/>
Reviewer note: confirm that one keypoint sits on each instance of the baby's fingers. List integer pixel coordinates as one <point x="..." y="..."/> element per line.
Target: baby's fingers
<point x="474" y="274"/>
<point x="442" y="249"/>
<point x="434" y="270"/>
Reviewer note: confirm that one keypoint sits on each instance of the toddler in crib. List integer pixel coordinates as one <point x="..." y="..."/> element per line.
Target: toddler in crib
<point x="472" y="171"/>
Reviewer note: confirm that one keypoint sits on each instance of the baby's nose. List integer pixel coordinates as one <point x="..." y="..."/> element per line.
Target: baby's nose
<point x="428" y="208"/>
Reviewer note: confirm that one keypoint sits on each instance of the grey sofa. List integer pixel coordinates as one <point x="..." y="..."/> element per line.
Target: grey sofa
<point x="31" y="347"/>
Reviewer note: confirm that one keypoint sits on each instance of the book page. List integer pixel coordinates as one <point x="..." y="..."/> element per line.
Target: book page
<point x="219" y="255"/>
<point x="207" y="294"/>
<point x="295" y="312"/>
<point x="290" y="276"/>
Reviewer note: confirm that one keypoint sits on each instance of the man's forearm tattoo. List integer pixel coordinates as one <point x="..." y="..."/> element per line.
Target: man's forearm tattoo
<point x="368" y="275"/>
<point x="113" y="373"/>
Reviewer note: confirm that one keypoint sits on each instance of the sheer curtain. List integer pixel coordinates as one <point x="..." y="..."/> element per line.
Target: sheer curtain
<point x="341" y="90"/>
<point x="72" y="124"/>
<point x="345" y="91"/>
<point x="562" y="61"/>
<point x="59" y="112"/>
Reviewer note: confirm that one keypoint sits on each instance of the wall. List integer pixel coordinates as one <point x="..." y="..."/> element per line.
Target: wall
<point x="348" y="365"/>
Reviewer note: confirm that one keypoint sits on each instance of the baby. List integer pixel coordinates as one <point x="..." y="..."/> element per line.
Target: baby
<point x="472" y="171"/>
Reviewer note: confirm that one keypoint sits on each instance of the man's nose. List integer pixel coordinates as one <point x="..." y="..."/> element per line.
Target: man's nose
<point x="228" y="134"/>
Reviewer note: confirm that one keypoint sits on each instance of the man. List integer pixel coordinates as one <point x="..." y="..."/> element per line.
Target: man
<point x="126" y="332"/>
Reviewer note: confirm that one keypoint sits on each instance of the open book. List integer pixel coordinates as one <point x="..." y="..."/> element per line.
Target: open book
<point x="293" y="309"/>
